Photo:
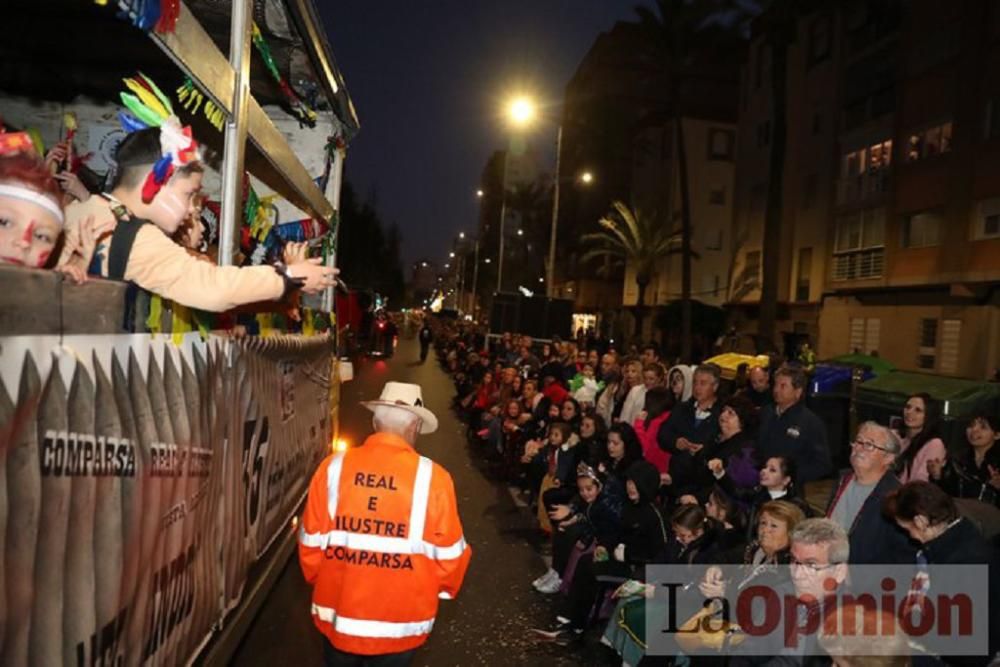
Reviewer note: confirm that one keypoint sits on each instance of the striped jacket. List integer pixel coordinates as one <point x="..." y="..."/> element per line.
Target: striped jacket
<point x="381" y="542"/>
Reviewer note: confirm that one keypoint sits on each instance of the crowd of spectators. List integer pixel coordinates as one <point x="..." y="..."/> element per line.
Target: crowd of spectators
<point x="627" y="463"/>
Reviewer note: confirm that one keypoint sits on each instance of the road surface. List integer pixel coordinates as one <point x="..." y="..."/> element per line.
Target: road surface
<point x="488" y="624"/>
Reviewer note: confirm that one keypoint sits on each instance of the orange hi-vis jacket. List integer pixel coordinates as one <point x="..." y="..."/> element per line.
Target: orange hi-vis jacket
<point x="381" y="542"/>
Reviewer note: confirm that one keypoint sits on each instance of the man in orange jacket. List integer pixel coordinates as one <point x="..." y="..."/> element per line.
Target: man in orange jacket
<point x="381" y="540"/>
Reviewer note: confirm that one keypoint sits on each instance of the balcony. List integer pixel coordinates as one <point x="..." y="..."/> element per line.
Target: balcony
<point x="858" y="264"/>
<point x="861" y="189"/>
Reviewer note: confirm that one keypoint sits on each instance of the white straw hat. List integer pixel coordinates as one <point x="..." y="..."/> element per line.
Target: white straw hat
<point x="407" y="397"/>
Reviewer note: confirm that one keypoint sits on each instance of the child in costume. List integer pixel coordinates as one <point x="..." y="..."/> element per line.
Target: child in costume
<point x="31" y="212"/>
<point x="154" y="190"/>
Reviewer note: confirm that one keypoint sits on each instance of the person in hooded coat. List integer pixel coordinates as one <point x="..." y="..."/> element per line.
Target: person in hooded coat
<point x="643" y="537"/>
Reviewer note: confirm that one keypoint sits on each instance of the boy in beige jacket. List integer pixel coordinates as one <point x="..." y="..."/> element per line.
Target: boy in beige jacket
<point x="140" y="249"/>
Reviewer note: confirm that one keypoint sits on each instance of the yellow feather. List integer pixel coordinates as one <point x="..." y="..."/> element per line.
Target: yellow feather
<point x="147" y="98"/>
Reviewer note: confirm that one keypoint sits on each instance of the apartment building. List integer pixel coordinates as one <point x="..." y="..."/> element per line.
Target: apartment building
<point x="891" y="200"/>
<point x="915" y="258"/>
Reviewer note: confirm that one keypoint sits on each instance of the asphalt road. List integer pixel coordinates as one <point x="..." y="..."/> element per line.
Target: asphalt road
<point x="489" y="621"/>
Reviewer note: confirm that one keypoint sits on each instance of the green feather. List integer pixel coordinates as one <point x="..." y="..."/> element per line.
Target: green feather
<point x="159" y="93"/>
<point x="141" y="111"/>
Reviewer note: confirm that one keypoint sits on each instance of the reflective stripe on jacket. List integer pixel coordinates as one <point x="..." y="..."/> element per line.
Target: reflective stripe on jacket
<point x="381" y="541"/>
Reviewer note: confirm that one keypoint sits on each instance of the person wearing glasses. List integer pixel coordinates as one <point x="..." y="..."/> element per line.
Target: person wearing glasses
<point x="856" y="504"/>
<point x="820" y="550"/>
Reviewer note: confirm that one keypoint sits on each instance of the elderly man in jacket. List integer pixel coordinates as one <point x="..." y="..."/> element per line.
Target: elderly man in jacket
<point x="381" y="540"/>
<point x="857" y="499"/>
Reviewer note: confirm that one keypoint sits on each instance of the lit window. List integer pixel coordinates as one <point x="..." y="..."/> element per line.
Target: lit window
<point x="929" y="142"/>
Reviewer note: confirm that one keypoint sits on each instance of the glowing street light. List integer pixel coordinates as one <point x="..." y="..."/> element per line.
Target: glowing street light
<point x="451" y="255"/>
<point x="586" y="178"/>
<point x="461" y="235"/>
<point x="521" y="111"/>
<point x="487" y="260"/>
<point x="480" y="193"/>
<point x="520" y="232"/>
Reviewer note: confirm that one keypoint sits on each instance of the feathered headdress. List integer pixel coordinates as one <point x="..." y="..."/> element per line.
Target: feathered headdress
<point x="151" y="108"/>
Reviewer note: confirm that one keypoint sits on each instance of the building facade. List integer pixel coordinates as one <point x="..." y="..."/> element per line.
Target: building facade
<point x="891" y="199"/>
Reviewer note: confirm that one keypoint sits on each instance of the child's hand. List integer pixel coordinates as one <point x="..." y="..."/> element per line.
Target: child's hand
<point x="559" y="512"/>
<point x="72" y="185"/>
<point x="295" y="252"/>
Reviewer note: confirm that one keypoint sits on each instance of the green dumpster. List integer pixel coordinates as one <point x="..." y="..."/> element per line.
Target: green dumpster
<point x="882" y="398"/>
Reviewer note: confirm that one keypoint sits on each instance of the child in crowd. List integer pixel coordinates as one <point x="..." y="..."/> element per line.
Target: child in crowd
<point x="592" y="520"/>
<point x="643" y="536"/>
<point x="585" y="386"/>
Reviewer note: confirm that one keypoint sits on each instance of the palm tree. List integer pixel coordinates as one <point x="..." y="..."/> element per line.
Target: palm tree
<point x="779" y="30"/>
<point x="630" y="237"/>
<point x="676" y="32"/>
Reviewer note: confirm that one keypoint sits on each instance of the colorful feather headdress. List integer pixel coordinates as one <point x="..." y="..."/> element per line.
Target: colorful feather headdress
<point x="151" y="108"/>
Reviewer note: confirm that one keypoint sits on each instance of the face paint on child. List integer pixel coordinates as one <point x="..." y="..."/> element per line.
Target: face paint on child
<point x="28" y="232"/>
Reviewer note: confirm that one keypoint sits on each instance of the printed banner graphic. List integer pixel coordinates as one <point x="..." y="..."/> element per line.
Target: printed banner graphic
<point x="140" y="481"/>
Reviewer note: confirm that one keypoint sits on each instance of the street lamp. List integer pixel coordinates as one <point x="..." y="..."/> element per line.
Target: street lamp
<point x="479" y="193"/>
<point x="586" y="178"/>
<point x="521" y="111"/>
<point x="461" y="235"/>
<point x="451" y="255"/>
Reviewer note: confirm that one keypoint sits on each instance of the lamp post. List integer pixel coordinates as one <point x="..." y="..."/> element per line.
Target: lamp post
<point x="550" y="274"/>
<point x="521" y="112"/>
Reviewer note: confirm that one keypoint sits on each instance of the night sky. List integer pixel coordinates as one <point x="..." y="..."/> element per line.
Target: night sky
<point x="428" y="79"/>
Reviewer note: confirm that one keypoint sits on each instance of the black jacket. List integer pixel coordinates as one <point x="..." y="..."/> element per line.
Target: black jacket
<point x="686" y="469"/>
<point x="874" y="537"/>
<point x="962" y="478"/>
<point x="644" y="530"/>
<point x="962" y="544"/>
<point x="798" y="434"/>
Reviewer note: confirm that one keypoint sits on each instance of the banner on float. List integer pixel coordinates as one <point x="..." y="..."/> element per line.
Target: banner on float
<point x="140" y="481"/>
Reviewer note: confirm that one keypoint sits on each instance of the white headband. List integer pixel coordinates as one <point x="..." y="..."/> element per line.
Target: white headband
<point x="27" y="194"/>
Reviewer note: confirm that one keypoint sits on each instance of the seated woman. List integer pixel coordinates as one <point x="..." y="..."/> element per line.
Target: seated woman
<point x="737" y="443"/>
<point x="931" y="518"/>
<point x="920" y="438"/>
<point x="593" y="440"/>
<point x="976" y="472"/>
<point x="692" y="545"/>
<point x="623" y="450"/>
<point x="777" y="482"/>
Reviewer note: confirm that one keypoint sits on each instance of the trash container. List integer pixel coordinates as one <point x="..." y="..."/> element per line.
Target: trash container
<point x="883" y="397"/>
<point x="730" y="363"/>
<point x="829" y="396"/>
